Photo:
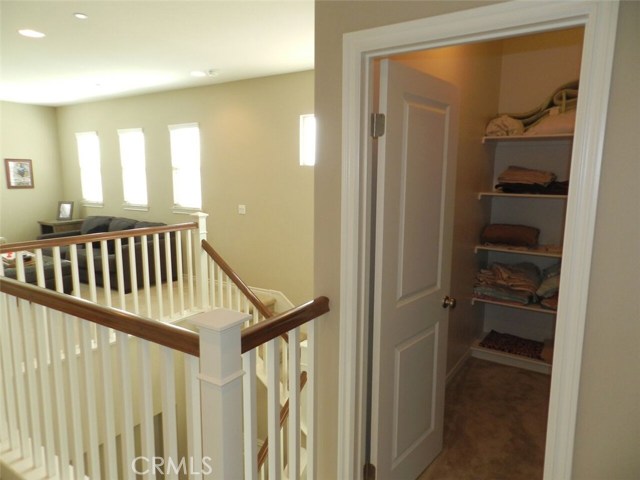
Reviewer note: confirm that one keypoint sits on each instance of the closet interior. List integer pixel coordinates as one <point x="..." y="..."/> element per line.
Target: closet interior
<point x="512" y="182"/>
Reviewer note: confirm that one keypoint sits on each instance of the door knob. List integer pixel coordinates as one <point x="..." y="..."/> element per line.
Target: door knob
<point x="448" y="302"/>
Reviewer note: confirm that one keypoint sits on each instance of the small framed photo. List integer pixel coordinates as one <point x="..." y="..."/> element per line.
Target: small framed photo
<point x="19" y="173"/>
<point x="65" y="210"/>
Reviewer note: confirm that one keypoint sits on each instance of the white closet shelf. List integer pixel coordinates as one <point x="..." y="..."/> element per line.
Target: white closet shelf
<point x="540" y="366"/>
<point x="521" y="195"/>
<point x="527" y="138"/>
<point x="532" y="307"/>
<point x="540" y="251"/>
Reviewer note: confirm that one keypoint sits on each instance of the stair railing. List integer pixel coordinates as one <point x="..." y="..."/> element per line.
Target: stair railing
<point x="67" y="394"/>
<point x="152" y="271"/>
<point x="228" y="290"/>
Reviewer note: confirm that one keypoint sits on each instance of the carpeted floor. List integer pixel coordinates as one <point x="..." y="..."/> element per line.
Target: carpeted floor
<point x="495" y="424"/>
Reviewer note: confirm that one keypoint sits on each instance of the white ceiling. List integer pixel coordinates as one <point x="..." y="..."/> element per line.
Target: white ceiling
<point x="133" y="47"/>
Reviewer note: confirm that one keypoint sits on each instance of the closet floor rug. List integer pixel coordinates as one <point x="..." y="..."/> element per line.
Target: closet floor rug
<point x="494" y="425"/>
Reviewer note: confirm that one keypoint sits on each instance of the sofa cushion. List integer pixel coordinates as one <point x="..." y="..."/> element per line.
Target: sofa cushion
<point x="121" y="223"/>
<point x="96" y="224"/>
<point x="143" y="224"/>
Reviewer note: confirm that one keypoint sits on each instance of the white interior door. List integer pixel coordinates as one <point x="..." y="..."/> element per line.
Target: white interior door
<point x="414" y="219"/>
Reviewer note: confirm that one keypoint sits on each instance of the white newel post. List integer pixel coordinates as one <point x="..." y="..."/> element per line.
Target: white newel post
<point x="202" y="268"/>
<point x="221" y="393"/>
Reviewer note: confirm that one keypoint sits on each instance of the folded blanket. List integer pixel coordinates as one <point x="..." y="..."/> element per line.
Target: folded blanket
<point x="511" y="283"/>
<point x="521" y="175"/>
<point x="553" y="188"/>
<point x="504" y="126"/>
<point x="505" y="234"/>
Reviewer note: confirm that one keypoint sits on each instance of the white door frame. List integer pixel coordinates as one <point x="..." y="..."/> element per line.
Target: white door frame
<point x="599" y="19"/>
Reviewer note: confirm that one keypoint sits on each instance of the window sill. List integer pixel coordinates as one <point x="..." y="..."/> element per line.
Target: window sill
<point x="185" y="210"/>
<point x="137" y="208"/>
<point x="92" y="204"/>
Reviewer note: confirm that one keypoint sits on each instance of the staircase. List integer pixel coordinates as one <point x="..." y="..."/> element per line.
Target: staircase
<point x="126" y="386"/>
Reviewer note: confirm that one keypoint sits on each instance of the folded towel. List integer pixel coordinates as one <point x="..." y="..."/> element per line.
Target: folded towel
<point x="504" y="126"/>
<point x="505" y="234"/>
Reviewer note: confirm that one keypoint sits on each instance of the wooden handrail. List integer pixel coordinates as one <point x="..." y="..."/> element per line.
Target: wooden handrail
<point x="165" y="334"/>
<point x="168" y="335"/>
<point x="284" y="413"/>
<point x="256" y="302"/>
<point x="95" y="237"/>
<point x="262" y="332"/>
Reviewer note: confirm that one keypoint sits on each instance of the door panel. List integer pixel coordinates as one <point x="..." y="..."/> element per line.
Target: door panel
<point x="413" y="227"/>
<point x="420" y="198"/>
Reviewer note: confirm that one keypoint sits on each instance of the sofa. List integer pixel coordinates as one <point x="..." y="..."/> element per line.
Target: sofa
<point x="104" y="224"/>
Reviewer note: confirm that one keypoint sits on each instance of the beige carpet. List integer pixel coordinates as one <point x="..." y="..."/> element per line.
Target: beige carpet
<point x="495" y="424"/>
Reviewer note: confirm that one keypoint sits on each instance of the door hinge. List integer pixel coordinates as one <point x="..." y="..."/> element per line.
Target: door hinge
<point x="369" y="471"/>
<point x="377" y="125"/>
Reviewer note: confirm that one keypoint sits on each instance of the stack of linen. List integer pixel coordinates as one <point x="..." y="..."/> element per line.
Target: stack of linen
<point x="525" y="180"/>
<point x="516" y="284"/>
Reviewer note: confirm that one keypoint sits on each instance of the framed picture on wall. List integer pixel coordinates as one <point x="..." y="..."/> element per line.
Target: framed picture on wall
<point x="65" y="210"/>
<point x="19" y="173"/>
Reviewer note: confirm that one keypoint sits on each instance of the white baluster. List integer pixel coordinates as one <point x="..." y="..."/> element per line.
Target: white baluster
<point x="69" y="325"/>
<point x="168" y="260"/>
<point x="75" y="274"/>
<point x="91" y="271"/>
<point x="92" y="449"/>
<point x="144" y="245"/>
<point x="219" y="285"/>
<point x="109" y="443"/>
<point x="192" y="302"/>
<point x="194" y="423"/>
<point x="250" y="407"/>
<point x="212" y="283"/>
<point x="156" y="260"/>
<point x="30" y="370"/>
<point x="169" y="425"/>
<point x="120" y="274"/>
<point x="42" y="346"/>
<point x="133" y="274"/>
<point x="273" y="407"/>
<point x="18" y="377"/>
<point x="126" y="437"/>
<point x="56" y="325"/>
<point x="7" y="371"/>
<point x="294" y="403"/>
<point x="146" y="404"/>
<point x="310" y="398"/>
<point x="180" y="271"/>
<point x="106" y="279"/>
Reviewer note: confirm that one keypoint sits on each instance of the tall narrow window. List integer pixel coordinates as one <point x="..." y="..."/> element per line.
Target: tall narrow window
<point x="134" y="173"/>
<point x="185" y="160"/>
<point x="89" y="158"/>
<point x="307" y="140"/>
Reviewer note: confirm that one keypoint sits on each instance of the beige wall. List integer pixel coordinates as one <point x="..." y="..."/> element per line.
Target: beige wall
<point x="534" y="65"/>
<point x="249" y="131"/>
<point x="608" y="427"/>
<point x="608" y="416"/>
<point x="29" y="132"/>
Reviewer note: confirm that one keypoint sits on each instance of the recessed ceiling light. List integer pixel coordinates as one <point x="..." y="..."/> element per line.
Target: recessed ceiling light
<point x="27" y="32"/>
<point x="198" y="73"/>
<point x="81" y="16"/>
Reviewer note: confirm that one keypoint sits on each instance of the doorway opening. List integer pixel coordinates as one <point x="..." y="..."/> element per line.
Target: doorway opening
<point x="487" y="23"/>
<point x="507" y="75"/>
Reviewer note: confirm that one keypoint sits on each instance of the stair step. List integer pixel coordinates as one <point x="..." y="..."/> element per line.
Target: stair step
<point x="269" y="301"/>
